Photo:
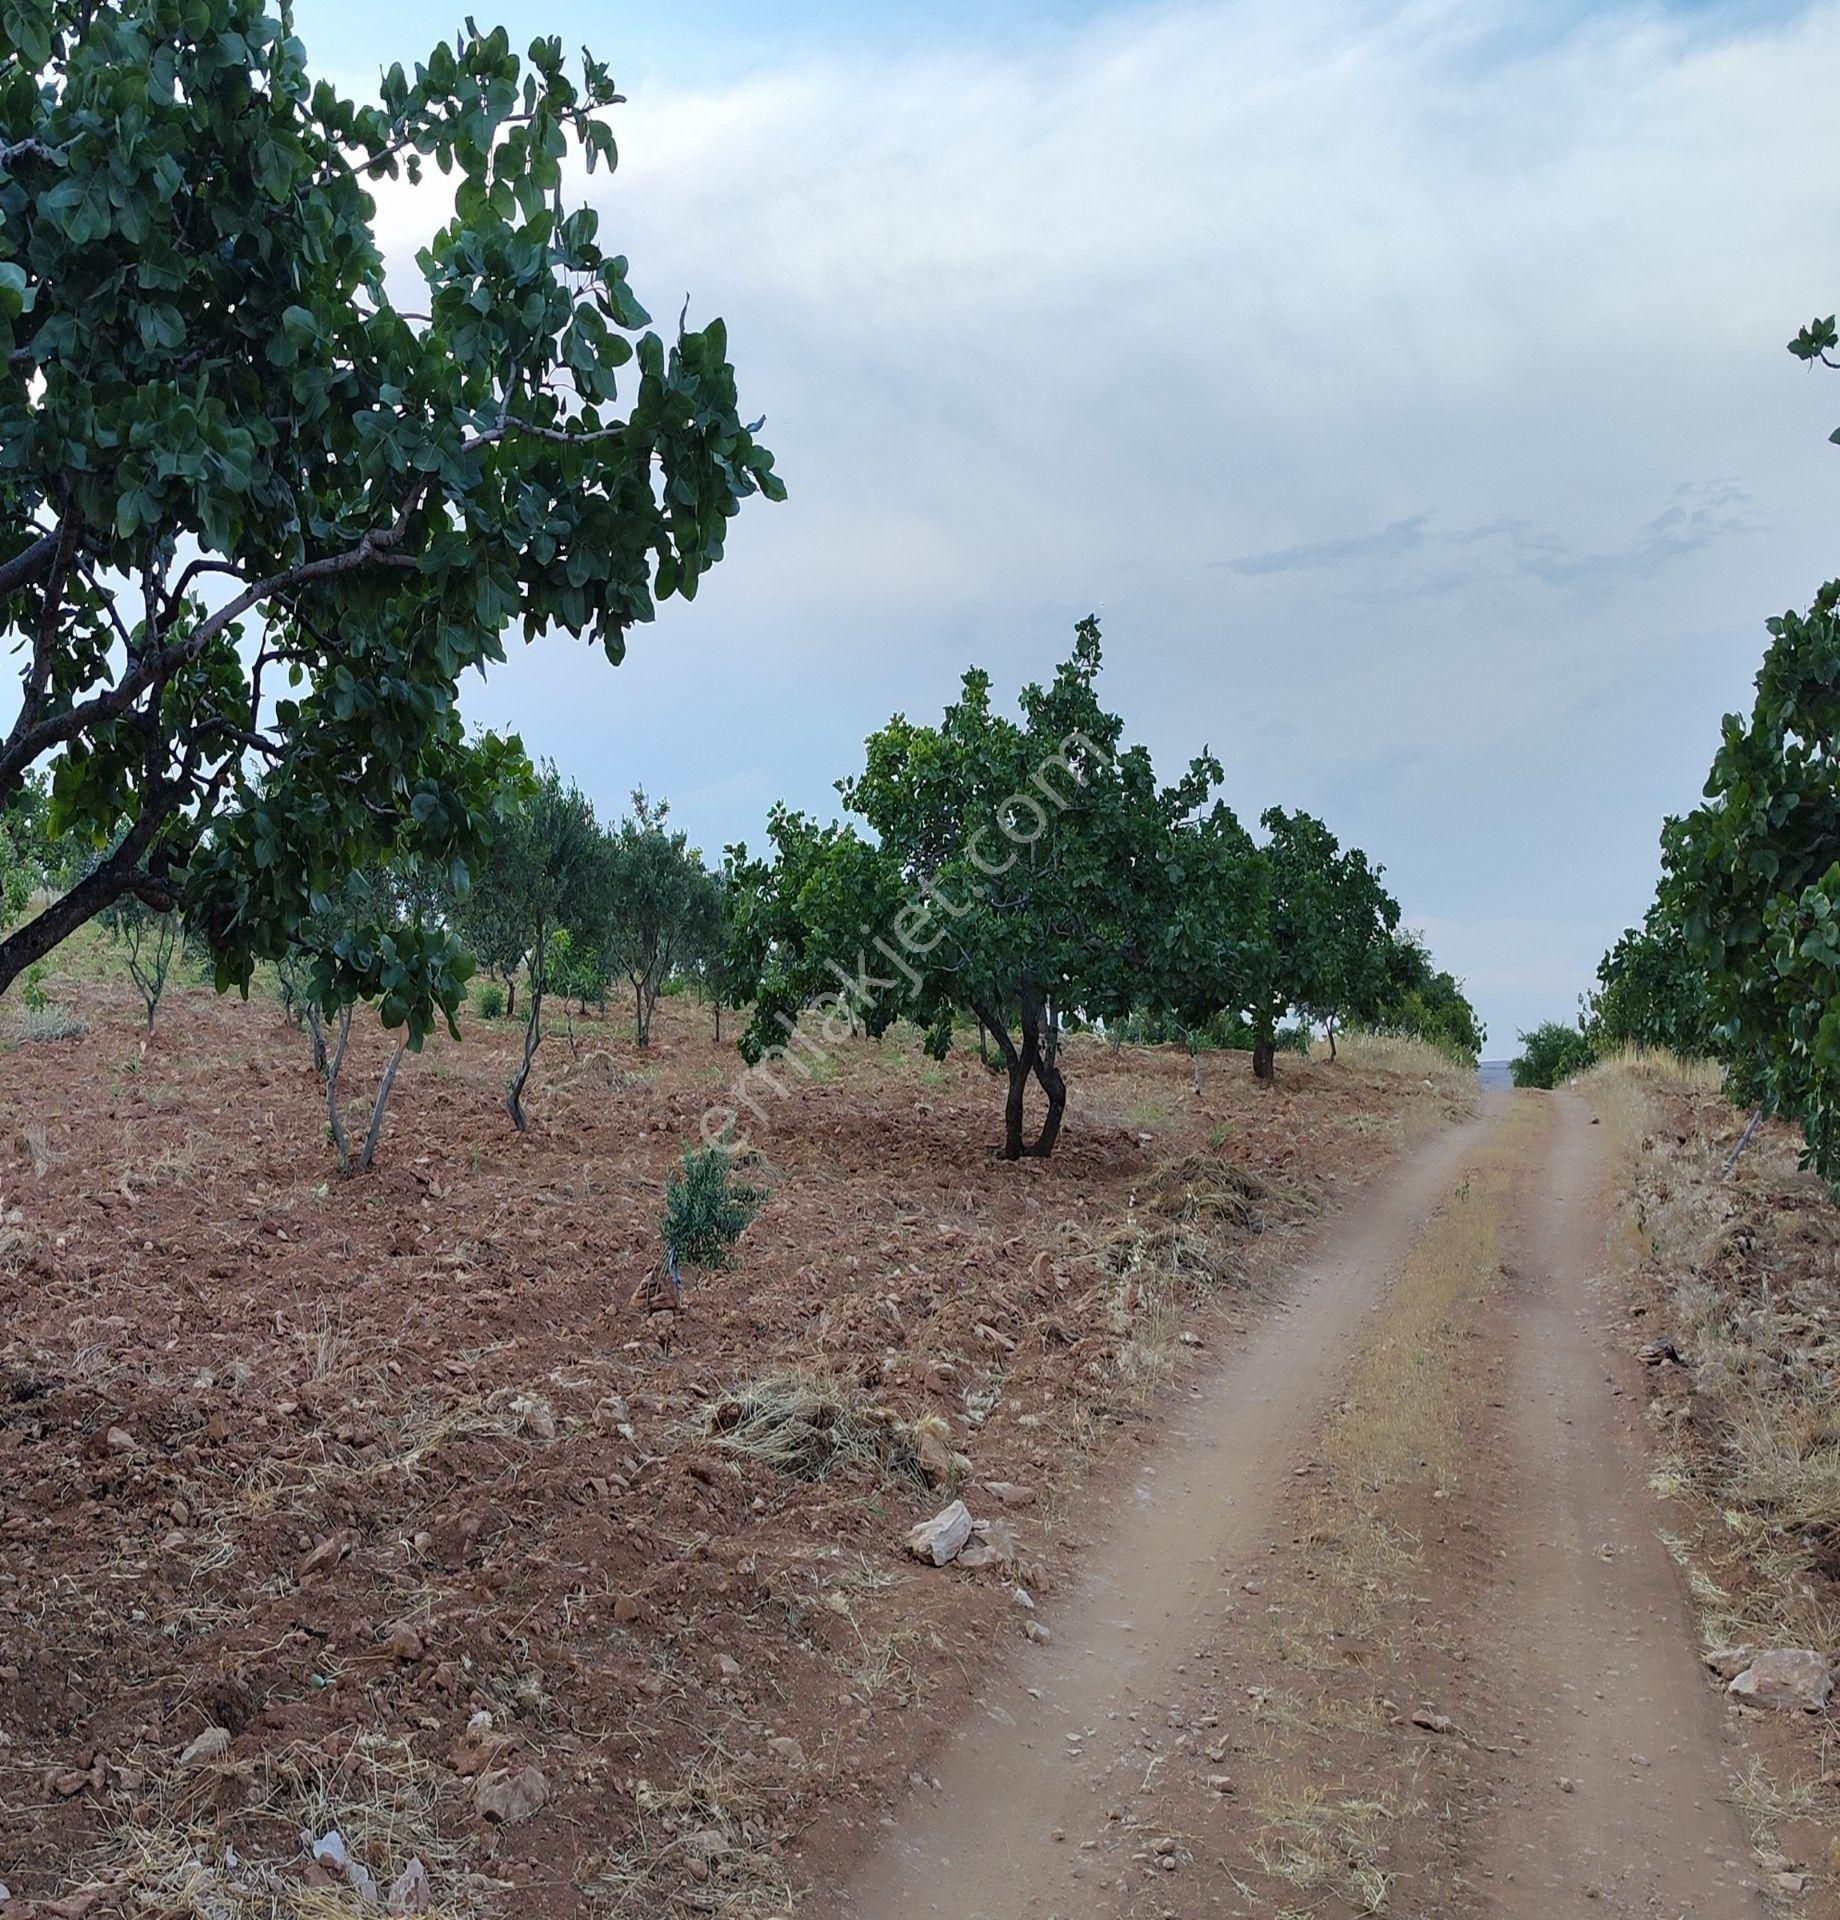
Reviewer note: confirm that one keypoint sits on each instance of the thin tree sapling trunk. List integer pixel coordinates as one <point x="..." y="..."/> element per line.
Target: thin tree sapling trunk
<point x="375" y="1130"/>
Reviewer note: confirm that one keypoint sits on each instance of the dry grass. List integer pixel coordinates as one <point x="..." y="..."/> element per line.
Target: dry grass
<point x="1320" y="1843"/>
<point x="1398" y="1055"/>
<point x="181" y="1859"/>
<point x="1399" y="1423"/>
<point x="807" y="1425"/>
<point x="1745" y="1271"/>
<point x="1395" y="1443"/>
<point x="702" y="1845"/>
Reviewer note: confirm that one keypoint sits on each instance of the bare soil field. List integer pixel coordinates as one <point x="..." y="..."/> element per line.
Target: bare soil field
<point x="389" y="1506"/>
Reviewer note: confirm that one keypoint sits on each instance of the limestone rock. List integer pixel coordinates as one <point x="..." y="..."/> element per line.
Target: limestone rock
<point x="206" y="1748"/>
<point x="1785" y="1677"/>
<point x="509" y="1796"/>
<point x="939" y="1539"/>
<point x="410" y="1892"/>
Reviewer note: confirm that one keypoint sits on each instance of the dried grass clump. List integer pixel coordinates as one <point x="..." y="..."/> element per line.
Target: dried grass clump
<point x="1744" y="1265"/>
<point x="224" y="1843"/>
<point x="39" y="1025"/>
<point x="1320" y="1844"/>
<point x="806" y="1426"/>
<point x="1202" y="1187"/>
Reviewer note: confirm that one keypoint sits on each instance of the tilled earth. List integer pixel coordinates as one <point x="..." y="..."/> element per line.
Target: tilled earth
<point x="390" y="1506"/>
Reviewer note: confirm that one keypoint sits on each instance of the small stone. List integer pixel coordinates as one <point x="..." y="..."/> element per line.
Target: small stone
<point x="409" y="1891"/>
<point x="213" y="1742"/>
<point x="728" y="1667"/>
<point x="1789" y="1882"/>
<point x="328" y="1553"/>
<point x="940" y="1538"/>
<point x="1019" y="1597"/>
<point x="508" y="1796"/>
<point x="788" y="1750"/>
<point x="328" y="1851"/>
<point x="120" y="1440"/>
<point x="1432" y="1722"/>
<point x="628" y="1609"/>
<point x="934" y="1452"/>
<point x="403" y="1642"/>
<point x="1037" y="1632"/>
<point x="1011" y="1493"/>
<point x="536" y="1416"/>
<point x="1567" y="1785"/>
<point x="1220" y="1783"/>
<point x="1729" y="1662"/>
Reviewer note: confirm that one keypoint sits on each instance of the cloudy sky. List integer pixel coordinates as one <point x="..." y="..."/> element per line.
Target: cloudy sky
<point x="1403" y="386"/>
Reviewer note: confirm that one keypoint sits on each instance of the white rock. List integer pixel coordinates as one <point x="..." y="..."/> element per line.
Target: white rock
<point x="1019" y="1597"/>
<point x="328" y="1851"/>
<point x="1785" y="1677"/>
<point x="410" y="1891"/>
<point x="940" y="1538"/>
<point x="1729" y="1662"/>
<point x="209" y="1744"/>
<point x="509" y="1797"/>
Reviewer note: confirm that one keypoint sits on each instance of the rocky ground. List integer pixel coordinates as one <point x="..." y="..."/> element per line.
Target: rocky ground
<point x="389" y="1509"/>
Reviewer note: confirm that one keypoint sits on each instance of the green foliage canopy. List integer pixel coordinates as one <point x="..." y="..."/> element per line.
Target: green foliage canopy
<point x="662" y="907"/>
<point x="256" y="520"/>
<point x="1026" y="869"/>
<point x="1551" y="1052"/>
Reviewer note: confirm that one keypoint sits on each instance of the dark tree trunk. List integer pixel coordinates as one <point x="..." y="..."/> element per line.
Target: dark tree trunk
<point x="533" y="1036"/>
<point x="1194" y="1060"/>
<point x="1329" y="1024"/>
<point x="106" y="883"/>
<point x="374" y="1132"/>
<point x="1054" y="1085"/>
<point x="718" y="1022"/>
<point x="511" y="995"/>
<point x="1264" y="1059"/>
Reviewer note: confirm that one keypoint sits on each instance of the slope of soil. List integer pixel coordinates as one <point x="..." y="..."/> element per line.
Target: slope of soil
<point x="1732" y="1282"/>
<point x="400" y="1483"/>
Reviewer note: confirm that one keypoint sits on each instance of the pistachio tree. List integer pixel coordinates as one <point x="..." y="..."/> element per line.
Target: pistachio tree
<point x="1025" y="869"/>
<point x="1328" y="933"/>
<point x="257" y="518"/>
<point x="1752" y="876"/>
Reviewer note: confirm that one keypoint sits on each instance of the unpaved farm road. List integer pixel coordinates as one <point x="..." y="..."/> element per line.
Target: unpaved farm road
<point x="1575" y="1630"/>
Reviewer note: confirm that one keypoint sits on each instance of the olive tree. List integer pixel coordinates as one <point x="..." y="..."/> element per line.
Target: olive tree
<point x="544" y="873"/>
<point x="663" y="906"/>
<point x="256" y="518"/>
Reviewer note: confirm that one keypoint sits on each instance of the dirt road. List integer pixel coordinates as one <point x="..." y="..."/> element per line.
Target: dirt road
<point x="1120" y="1769"/>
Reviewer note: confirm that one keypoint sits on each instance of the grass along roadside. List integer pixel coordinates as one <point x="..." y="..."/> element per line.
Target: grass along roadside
<point x="1732" y="1280"/>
